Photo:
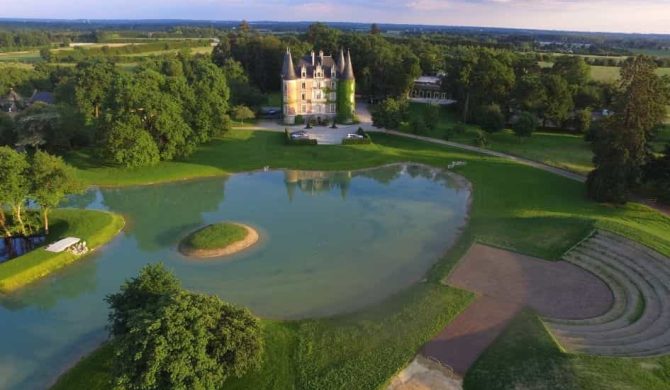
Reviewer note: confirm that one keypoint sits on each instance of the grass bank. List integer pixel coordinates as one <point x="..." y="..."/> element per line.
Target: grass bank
<point x="525" y="356"/>
<point x="95" y="227"/>
<point x="513" y="206"/>
<point x="561" y="150"/>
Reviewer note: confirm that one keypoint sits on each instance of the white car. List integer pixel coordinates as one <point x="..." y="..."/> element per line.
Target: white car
<point x="354" y="136"/>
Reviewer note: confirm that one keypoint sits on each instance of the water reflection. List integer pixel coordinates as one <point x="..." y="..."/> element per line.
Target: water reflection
<point x="168" y="211"/>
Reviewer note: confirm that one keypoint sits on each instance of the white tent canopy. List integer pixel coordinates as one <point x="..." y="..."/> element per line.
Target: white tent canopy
<point x="64" y="244"/>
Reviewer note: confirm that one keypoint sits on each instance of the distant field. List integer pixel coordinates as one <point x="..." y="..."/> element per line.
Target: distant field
<point x="20" y="65"/>
<point x="652" y="52"/>
<point x="611" y="73"/>
<point x="20" y="56"/>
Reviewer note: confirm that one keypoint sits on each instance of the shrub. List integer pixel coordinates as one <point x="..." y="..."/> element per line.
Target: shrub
<point x="291" y="141"/>
<point x="353" y="141"/>
<point x="299" y="120"/>
<point x="491" y="118"/>
<point x="525" y="125"/>
<point x="418" y="125"/>
<point x="582" y="121"/>
<point x="481" y="139"/>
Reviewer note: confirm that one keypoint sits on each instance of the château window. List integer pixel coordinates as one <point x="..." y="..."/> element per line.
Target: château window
<point x="332" y="107"/>
<point x="304" y="108"/>
<point x="303" y="85"/>
<point x="318" y="95"/>
<point x="333" y="85"/>
<point x="303" y="96"/>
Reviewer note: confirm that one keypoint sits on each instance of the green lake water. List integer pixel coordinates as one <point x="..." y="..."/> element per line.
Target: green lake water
<point x="331" y="242"/>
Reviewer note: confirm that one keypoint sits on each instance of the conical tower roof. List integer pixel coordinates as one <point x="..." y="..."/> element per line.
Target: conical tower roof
<point x="348" y="73"/>
<point x="340" y="62"/>
<point x="288" y="70"/>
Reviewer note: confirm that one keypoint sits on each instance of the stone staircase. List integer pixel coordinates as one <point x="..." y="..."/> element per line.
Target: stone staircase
<point x="638" y="323"/>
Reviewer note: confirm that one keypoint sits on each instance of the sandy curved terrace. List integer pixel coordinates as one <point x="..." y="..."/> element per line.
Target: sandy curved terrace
<point x="251" y="239"/>
<point x="505" y="282"/>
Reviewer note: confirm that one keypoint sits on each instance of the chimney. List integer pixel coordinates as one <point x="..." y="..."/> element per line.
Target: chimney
<point x="321" y="56"/>
<point x="313" y="59"/>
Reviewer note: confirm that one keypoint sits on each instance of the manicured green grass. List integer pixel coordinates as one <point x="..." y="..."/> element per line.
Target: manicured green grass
<point x="90" y="373"/>
<point x="215" y="236"/>
<point x="513" y="206"/>
<point x="526" y="357"/>
<point x="94" y="227"/>
<point x="561" y="150"/>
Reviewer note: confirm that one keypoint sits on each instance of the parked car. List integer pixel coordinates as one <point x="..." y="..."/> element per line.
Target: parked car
<point x="300" y="135"/>
<point x="354" y="136"/>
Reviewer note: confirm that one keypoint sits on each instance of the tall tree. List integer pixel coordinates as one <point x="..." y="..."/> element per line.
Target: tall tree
<point x="573" y="69"/>
<point x="93" y="83"/>
<point x="51" y="179"/>
<point x="168" y="338"/>
<point x="558" y="103"/>
<point x="14" y="186"/>
<point x="620" y="145"/>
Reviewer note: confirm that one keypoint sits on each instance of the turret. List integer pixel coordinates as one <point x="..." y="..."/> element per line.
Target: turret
<point x="348" y="72"/>
<point x="288" y="70"/>
<point x="340" y="62"/>
<point x="346" y="90"/>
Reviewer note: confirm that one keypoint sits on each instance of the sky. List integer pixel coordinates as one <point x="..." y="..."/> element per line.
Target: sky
<point x="643" y="16"/>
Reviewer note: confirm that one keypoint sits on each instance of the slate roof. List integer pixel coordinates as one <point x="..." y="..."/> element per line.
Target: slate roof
<point x="44" y="97"/>
<point x="342" y="67"/>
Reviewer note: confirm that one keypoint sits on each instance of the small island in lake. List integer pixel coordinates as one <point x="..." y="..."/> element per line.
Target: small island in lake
<point x="219" y="239"/>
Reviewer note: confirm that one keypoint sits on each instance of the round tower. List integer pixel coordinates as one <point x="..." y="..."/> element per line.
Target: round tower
<point x="346" y="90"/>
<point x="289" y="89"/>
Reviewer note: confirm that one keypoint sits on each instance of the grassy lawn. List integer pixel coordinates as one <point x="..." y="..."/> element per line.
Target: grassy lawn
<point x="215" y="236"/>
<point x="513" y="206"/>
<point x="567" y="151"/>
<point x="94" y="227"/>
<point x="526" y="357"/>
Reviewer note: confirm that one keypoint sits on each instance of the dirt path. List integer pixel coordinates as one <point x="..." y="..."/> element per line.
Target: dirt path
<point x="505" y="283"/>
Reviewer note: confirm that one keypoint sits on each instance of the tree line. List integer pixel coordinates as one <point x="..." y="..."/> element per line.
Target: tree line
<point x="160" y="111"/>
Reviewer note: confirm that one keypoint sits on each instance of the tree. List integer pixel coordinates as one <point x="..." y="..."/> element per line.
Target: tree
<point x="573" y="69"/>
<point x="620" y="145"/>
<point x="221" y="52"/>
<point x="7" y="130"/>
<point x="374" y="29"/>
<point x="130" y="145"/>
<point x="51" y="179"/>
<point x="390" y="112"/>
<point x="168" y="338"/>
<point x="14" y="187"/>
<point x="530" y="94"/>
<point x="618" y="156"/>
<point x="431" y="114"/>
<point x="643" y="95"/>
<point x="558" y="103"/>
<point x="136" y="294"/>
<point x="93" y="84"/>
<point x="525" y="125"/>
<point x="491" y="118"/>
<point x="242" y="113"/>
<point x="583" y="121"/>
